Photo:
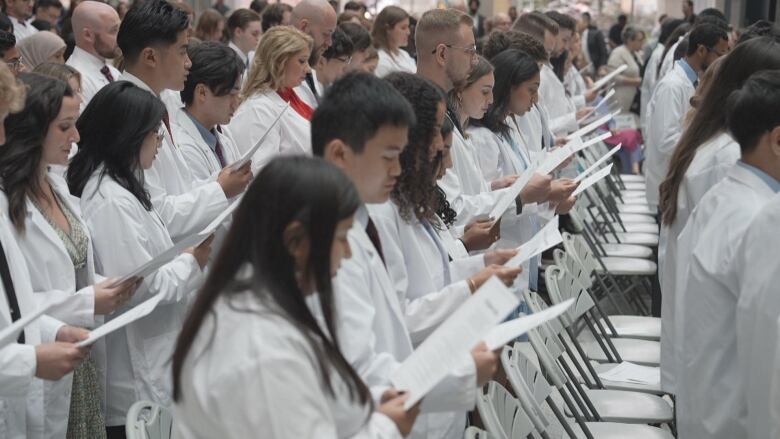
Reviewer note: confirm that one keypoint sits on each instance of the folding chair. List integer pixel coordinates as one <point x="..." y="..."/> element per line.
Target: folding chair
<point x="501" y="413"/>
<point x="148" y="420"/>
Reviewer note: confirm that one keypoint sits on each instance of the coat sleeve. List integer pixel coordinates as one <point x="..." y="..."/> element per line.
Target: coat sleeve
<point x="249" y="126"/>
<point x="17" y="370"/>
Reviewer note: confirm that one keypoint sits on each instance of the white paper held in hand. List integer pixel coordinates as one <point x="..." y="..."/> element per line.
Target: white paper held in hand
<point x="606" y="97"/>
<point x="592" y="141"/>
<point x="510" y="194"/>
<point x="545" y="238"/>
<point x="11" y="332"/>
<point x="508" y="331"/>
<point x="141" y="310"/>
<point x="193" y="240"/>
<point x="593" y="179"/>
<point x="558" y="155"/>
<point x="450" y="344"/>
<point x="593" y="125"/>
<point x="608" y="77"/>
<point x="598" y="163"/>
<point x="247" y="156"/>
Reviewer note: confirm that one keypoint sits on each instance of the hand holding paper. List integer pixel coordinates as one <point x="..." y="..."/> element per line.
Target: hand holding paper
<point x="601" y="102"/>
<point x="593" y="125"/>
<point x="129" y="316"/>
<point x="508" y="331"/>
<point x="10" y="333"/>
<point x="545" y="238"/>
<point x="247" y="156"/>
<point x="508" y="197"/>
<point x="609" y="76"/>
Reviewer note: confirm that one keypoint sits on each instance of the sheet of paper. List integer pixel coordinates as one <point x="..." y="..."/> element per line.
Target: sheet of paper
<point x="598" y="163"/>
<point x="556" y="156"/>
<point x="193" y="240"/>
<point x="592" y="126"/>
<point x="608" y="77"/>
<point x="633" y="373"/>
<point x="545" y="238"/>
<point x="609" y="94"/>
<point x="508" y="197"/>
<point x="251" y="152"/>
<point x="582" y="70"/>
<point x="10" y="333"/>
<point x="508" y="331"/>
<point x="448" y="346"/>
<point x="593" y="179"/>
<point x="590" y="142"/>
<point x="129" y="316"/>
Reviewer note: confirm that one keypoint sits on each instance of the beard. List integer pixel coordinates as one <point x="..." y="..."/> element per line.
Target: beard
<point x="104" y="50"/>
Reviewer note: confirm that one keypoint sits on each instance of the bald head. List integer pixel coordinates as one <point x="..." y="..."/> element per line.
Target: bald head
<point x="317" y="19"/>
<point x="95" y="25"/>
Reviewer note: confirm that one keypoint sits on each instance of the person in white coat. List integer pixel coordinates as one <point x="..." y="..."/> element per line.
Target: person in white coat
<point x="651" y="77"/>
<point x="210" y="97"/>
<point x="702" y="158"/>
<point x="119" y="214"/>
<point x="54" y="240"/>
<point x="671" y="101"/>
<point x="36" y="355"/>
<point x="390" y="35"/>
<point x="280" y="65"/>
<point x="711" y="388"/>
<point x="361" y="126"/>
<point x="287" y="241"/>
<point x="154" y="39"/>
<point x="415" y="255"/>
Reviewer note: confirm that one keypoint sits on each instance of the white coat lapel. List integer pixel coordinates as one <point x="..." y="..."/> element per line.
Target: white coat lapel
<point x="382" y="276"/>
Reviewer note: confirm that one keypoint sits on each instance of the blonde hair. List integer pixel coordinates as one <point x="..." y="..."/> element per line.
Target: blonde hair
<point x="11" y="92"/>
<point x="276" y="47"/>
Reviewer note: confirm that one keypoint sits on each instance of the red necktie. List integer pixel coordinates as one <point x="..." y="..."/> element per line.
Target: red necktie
<point x="167" y="122"/>
<point x="107" y="73"/>
<point x="218" y="150"/>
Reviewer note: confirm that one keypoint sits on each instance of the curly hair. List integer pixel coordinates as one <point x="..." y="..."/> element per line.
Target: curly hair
<point x="443" y="209"/>
<point x="415" y="192"/>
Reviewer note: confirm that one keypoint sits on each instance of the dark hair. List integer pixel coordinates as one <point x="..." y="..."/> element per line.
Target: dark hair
<point x="480" y="69"/>
<point x="707" y="35"/>
<point x="150" y="23"/>
<point x="384" y="22"/>
<point x="215" y="65"/>
<point x="361" y="39"/>
<point x="26" y="131"/>
<point x="564" y="21"/>
<point x="415" y="192"/>
<point x="341" y="47"/>
<point x="754" y="109"/>
<point x="7" y="42"/>
<point x="500" y="41"/>
<point x="443" y="208"/>
<point x="240" y="19"/>
<point x="512" y="68"/>
<point x="354" y="108"/>
<point x="535" y="24"/>
<point x="710" y="118"/>
<point x="558" y="64"/>
<point x="48" y="4"/>
<point x="761" y="28"/>
<point x="289" y="189"/>
<point x="5" y="23"/>
<point x="41" y="25"/>
<point x="115" y="146"/>
<point x="711" y="12"/>
<point x="681" y="30"/>
<point x="258" y="6"/>
<point x="712" y="19"/>
<point x="667" y="27"/>
<point x="353" y="5"/>
<point x="273" y="15"/>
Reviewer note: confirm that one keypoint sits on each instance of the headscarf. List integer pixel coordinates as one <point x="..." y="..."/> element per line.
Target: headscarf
<point x="38" y="47"/>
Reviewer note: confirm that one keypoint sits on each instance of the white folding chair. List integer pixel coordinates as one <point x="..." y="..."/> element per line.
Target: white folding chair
<point x="501" y="414"/>
<point x="476" y="433"/>
<point x="148" y="420"/>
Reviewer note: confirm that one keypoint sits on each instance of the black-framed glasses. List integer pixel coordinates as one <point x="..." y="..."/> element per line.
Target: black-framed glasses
<point x="15" y="64"/>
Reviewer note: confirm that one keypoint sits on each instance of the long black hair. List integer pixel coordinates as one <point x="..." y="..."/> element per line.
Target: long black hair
<point x="112" y="129"/>
<point x="415" y="192"/>
<point x="443" y="209"/>
<point x="512" y="68"/>
<point x="20" y="160"/>
<point x="289" y="189"/>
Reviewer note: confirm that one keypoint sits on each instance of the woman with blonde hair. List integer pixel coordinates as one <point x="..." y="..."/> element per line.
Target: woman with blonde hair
<point x="390" y="34"/>
<point x="280" y="64"/>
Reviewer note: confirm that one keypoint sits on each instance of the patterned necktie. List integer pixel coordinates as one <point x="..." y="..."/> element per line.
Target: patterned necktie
<point x="107" y="73"/>
<point x="218" y="150"/>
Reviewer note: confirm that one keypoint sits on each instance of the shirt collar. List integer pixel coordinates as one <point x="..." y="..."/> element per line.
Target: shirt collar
<point x="689" y="72"/>
<point x="208" y="136"/>
<point x="80" y="54"/>
<point x="361" y="216"/>
<point x="766" y="178"/>
<point x="244" y="56"/>
<point x="129" y="77"/>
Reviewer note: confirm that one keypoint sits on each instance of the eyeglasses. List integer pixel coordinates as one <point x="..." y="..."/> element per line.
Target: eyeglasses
<point x="470" y="50"/>
<point x="345" y="59"/>
<point x="15" y="64"/>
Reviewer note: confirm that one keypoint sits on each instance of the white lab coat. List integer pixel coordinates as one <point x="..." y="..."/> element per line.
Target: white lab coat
<point x="667" y="64"/>
<point x="775" y="390"/>
<point x="52" y="277"/>
<point x="575" y="86"/>
<point x="89" y="67"/>
<point x="403" y="62"/>
<point x="710" y="391"/>
<point x="374" y="338"/>
<point x="138" y="354"/>
<point x="307" y="94"/>
<point x="710" y="165"/>
<point x="666" y="111"/>
<point x="186" y="206"/>
<point x="648" y="82"/>
<point x="200" y="158"/>
<point x="758" y="308"/>
<point x="23" y="414"/>
<point x="467" y="192"/>
<point x="560" y="107"/>
<point x="414" y="260"/>
<point x="251" y="372"/>
<point x="290" y="136"/>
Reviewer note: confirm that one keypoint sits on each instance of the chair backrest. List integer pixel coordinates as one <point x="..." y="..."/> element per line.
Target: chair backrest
<point x="530" y="390"/>
<point x="148" y="420"/>
<point x="561" y="286"/>
<point x="476" y="433"/>
<point x="577" y="248"/>
<point x="548" y="331"/>
<point x="501" y="413"/>
<point x="574" y="267"/>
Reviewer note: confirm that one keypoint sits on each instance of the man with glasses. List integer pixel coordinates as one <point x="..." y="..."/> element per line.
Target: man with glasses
<point x="331" y="66"/>
<point x="9" y="53"/>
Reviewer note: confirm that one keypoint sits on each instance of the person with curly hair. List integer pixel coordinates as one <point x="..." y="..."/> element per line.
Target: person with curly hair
<point x="421" y="263"/>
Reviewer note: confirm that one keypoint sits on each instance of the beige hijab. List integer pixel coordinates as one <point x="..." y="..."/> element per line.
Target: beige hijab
<point x="38" y="47"/>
